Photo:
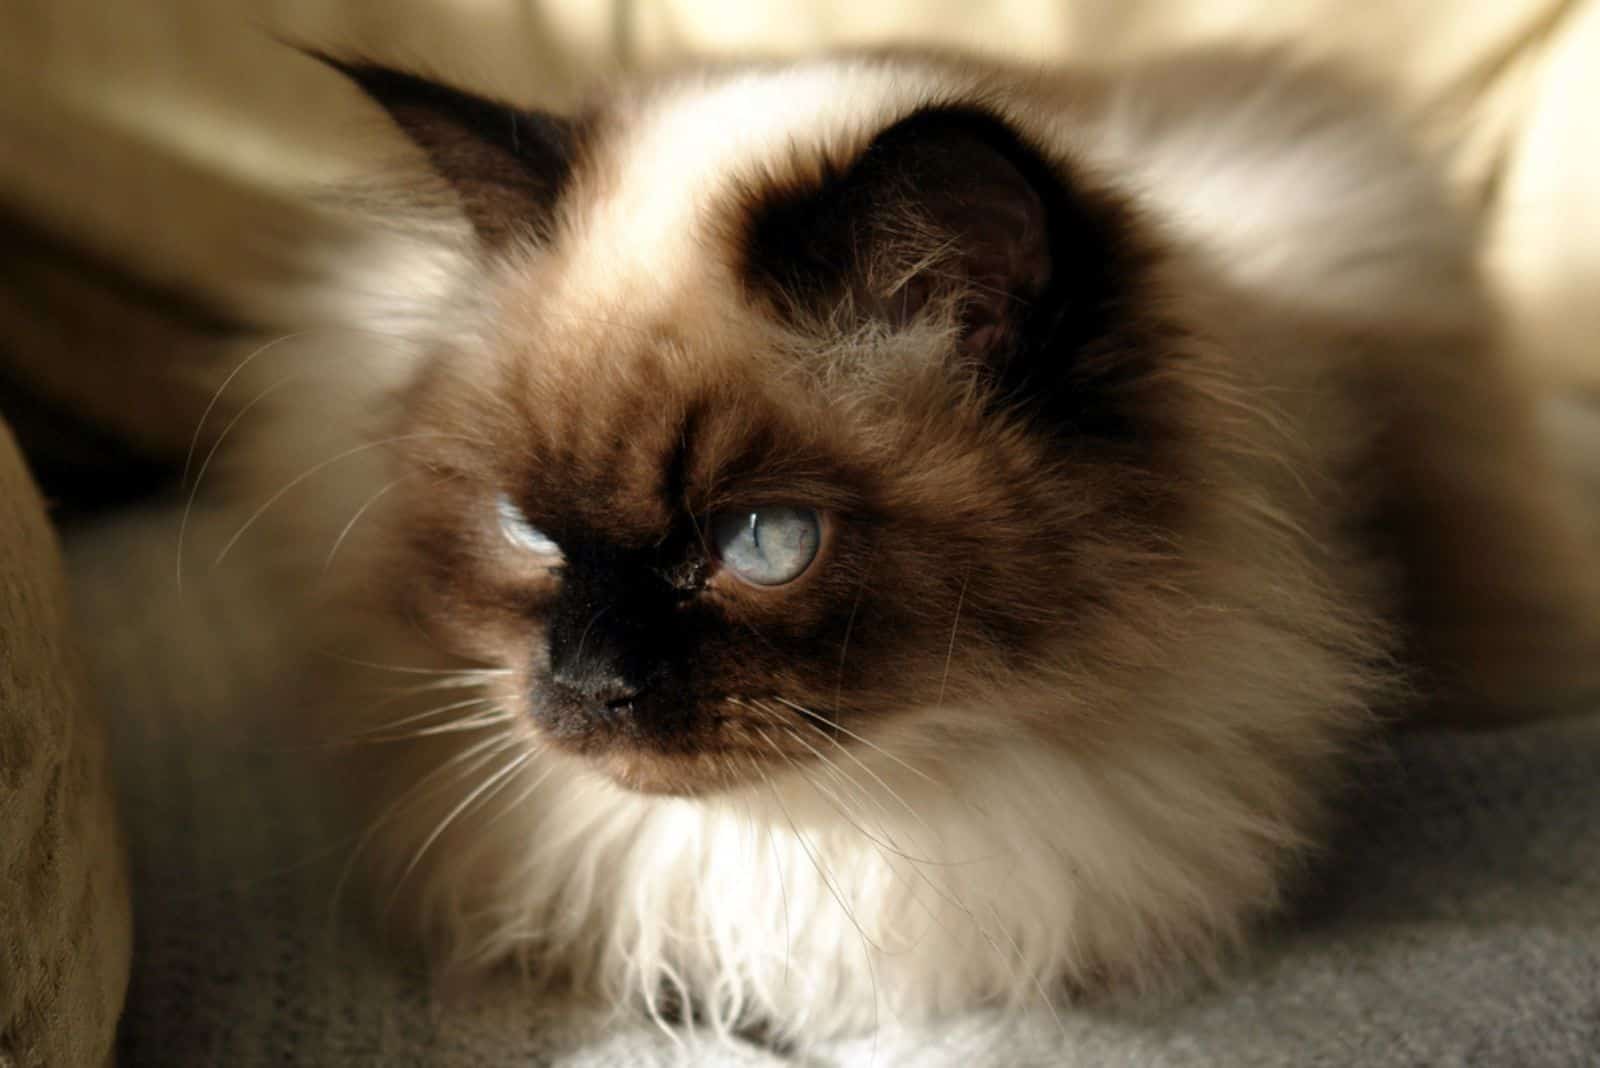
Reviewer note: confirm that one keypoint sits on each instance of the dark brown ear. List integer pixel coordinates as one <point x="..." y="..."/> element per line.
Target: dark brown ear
<point x="508" y="166"/>
<point x="952" y="205"/>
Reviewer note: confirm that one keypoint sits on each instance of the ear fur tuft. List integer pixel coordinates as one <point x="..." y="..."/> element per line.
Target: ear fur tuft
<point x="507" y="165"/>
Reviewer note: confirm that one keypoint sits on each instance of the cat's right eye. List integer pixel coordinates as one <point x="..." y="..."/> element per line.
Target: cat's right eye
<point x="767" y="546"/>
<point x="521" y="533"/>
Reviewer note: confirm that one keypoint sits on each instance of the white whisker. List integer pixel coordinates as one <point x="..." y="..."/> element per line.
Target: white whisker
<point x="834" y="800"/>
<point x="345" y="532"/>
<point x="485" y="672"/>
<point x="954" y="628"/>
<point x="849" y="629"/>
<point x="412" y="795"/>
<point x="205" y="465"/>
<point x="867" y="944"/>
<point x="313" y="471"/>
<point x="194" y="442"/>
<point x="426" y="714"/>
<point x="522" y="796"/>
<point x="462" y="806"/>
<point x="834" y="725"/>
<point x="479" y="721"/>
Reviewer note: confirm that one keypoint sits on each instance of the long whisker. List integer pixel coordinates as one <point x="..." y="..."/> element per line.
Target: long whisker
<point x="370" y="732"/>
<point x="402" y="669"/>
<point x="475" y="722"/>
<point x="844" y="780"/>
<point x="495" y="745"/>
<point x="857" y="789"/>
<point x="578" y="656"/>
<point x="461" y="807"/>
<point x="836" y="726"/>
<point x="454" y="680"/>
<point x="783" y="888"/>
<point x="440" y="710"/>
<point x="950" y="653"/>
<point x="849" y="628"/>
<point x="945" y="894"/>
<point x="1022" y="964"/>
<point x="194" y="442"/>
<point x="816" y="861"/>
<point x="522" y="796"/>
<point x="412" y="795"/>
<point x="345" y="533"/>
<point x="776" y="719"/>
<point x="205" y="465"/>
<point x="893" y="794"/>
<point x="313" y="471"/>
<point x="834" y="800"/>
<point x="867" y="944"/>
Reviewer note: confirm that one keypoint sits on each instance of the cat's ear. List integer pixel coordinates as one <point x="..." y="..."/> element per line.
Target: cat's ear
<point x="507" y="165"/>
<point x="951" y="205"/>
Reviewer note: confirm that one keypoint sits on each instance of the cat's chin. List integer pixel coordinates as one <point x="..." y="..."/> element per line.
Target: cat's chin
<point x="670" y="775"/>
<point x="716" y="749"/>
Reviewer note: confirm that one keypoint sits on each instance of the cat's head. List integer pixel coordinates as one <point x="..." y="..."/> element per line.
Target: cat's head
<point x="802" y="413"/>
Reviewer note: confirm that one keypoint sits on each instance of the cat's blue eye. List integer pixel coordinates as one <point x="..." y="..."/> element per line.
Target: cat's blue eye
<point x="521" y="533"/>
<point x="767" y="546"/>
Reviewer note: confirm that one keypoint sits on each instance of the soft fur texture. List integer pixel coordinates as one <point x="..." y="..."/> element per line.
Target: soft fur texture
<point x="1161" y="438"/>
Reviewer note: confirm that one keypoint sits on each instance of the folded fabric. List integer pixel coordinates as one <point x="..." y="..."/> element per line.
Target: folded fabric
<point x="1504" y="90"/>
<point x="64" y="930"/>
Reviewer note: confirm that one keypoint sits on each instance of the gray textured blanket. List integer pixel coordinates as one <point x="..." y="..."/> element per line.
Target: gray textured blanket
<point x="1457" y="921"/>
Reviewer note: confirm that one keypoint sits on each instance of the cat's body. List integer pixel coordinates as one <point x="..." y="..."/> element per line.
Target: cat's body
<point x="1143" y="421"/>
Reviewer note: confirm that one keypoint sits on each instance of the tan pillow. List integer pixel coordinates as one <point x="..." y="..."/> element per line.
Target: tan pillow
<point x="64" y="906"/>
<point x="181" y="163"/>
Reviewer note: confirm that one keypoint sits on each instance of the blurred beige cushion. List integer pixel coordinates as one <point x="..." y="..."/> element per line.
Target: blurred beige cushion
<point x="64" y="912"/>
<point x="1506" y="89"/>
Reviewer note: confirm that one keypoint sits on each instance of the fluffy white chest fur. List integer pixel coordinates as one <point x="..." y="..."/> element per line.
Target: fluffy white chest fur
<point x="870" y="889"/>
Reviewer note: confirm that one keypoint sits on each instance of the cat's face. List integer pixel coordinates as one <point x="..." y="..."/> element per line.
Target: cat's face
<point x="730" y="514"/>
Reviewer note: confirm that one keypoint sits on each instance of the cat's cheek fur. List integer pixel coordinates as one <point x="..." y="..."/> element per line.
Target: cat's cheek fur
<point x="1126" y="798"/>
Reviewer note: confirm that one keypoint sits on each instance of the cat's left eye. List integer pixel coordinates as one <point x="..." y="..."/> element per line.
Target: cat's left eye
<point x="767" y="546"/>
<point x="521" y="533"/>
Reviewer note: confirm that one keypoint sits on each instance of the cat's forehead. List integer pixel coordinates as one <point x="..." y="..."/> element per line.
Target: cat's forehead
<point x="670" y="169"/>
<point x="627" y="418"/>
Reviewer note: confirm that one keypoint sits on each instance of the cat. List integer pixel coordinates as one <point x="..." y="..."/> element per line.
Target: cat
<point x="820" y="544"/>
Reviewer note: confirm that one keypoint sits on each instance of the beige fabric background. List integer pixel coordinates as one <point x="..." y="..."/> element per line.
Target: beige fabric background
<point x="1508" y="88"/>
<point x="64" y="930"/>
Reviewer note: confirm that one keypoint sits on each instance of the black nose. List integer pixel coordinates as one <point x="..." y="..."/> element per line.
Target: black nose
<point x="597" y="684"/>
<point x="609" y="632"/>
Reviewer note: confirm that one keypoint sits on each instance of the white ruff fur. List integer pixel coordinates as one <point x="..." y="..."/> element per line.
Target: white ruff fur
<point x="869" y="894"/>
<point x="866" y="896"/>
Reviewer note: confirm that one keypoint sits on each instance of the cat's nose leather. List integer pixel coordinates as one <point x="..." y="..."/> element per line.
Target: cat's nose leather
<point x="609" y="630"/>
<point x="596" y="685"/>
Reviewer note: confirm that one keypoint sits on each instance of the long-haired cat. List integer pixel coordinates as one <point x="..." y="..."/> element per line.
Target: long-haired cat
<point x="834" y="543"/>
